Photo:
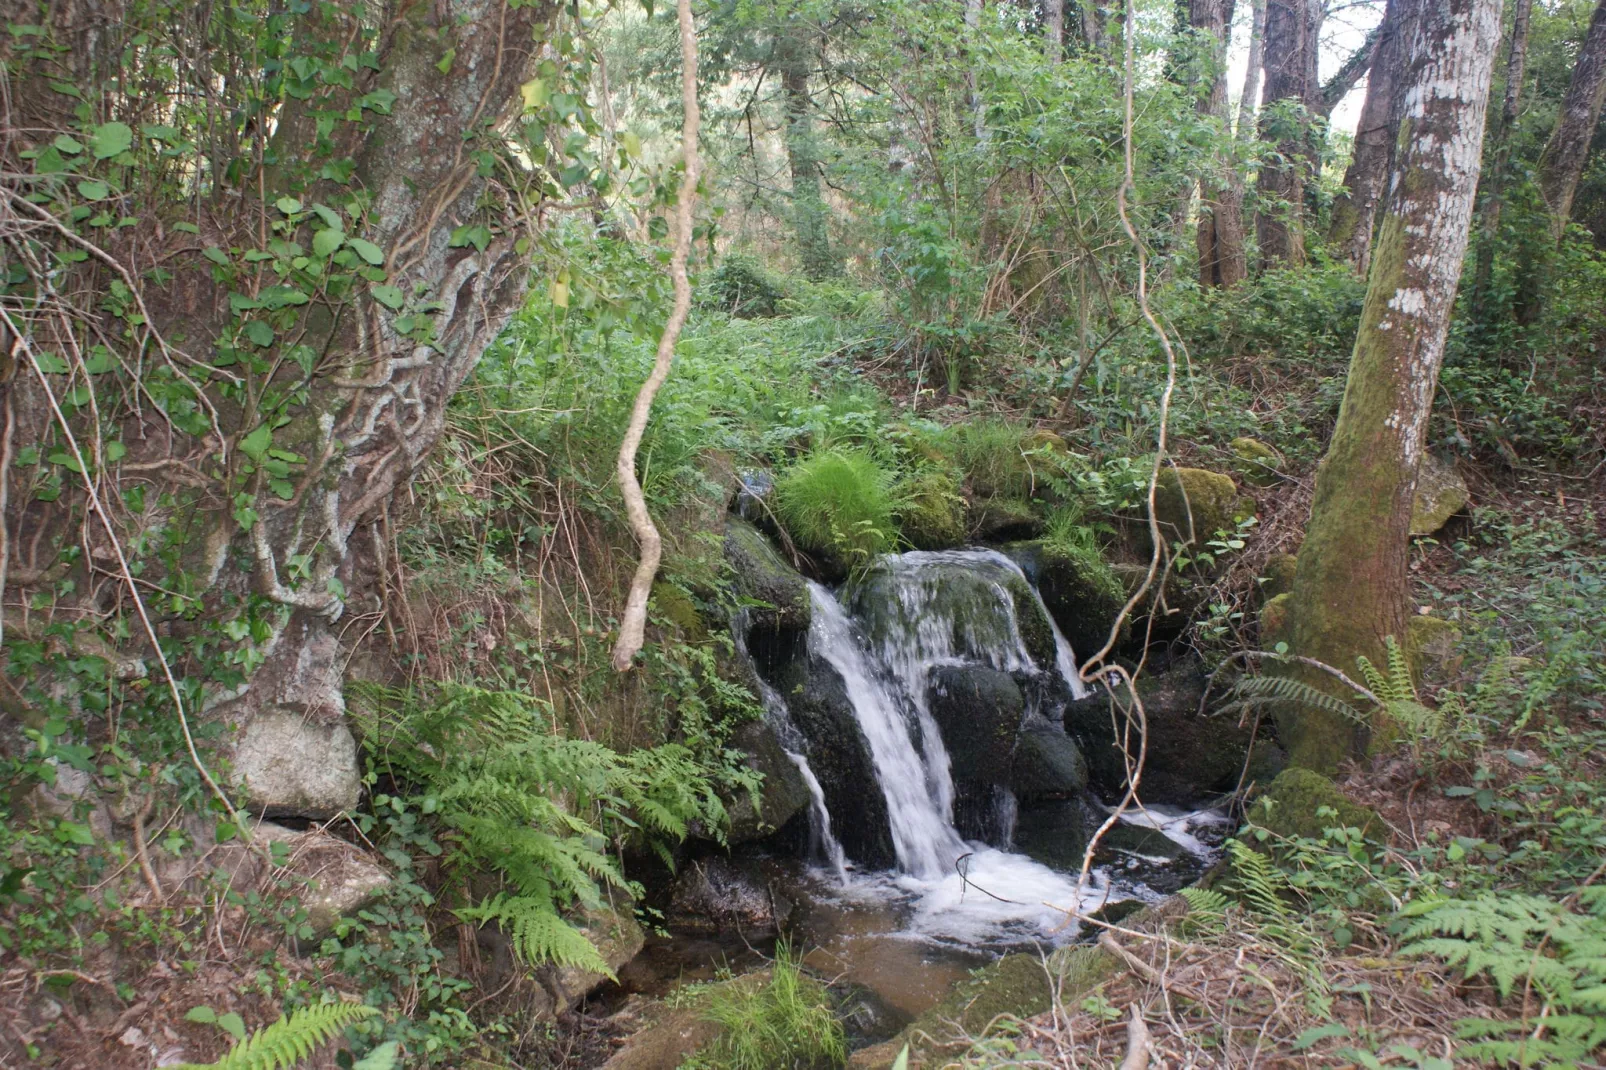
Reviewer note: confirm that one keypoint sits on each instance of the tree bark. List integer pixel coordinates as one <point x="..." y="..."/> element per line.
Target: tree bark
<point x="1247" y="99"/>
<point x="1221" y="228"/>
<point x="1562" y="163"/>
<point x="365" y="397"/>
<point x="1292" y="27"/>
<point x="1351" y="586"/>
<point x="1354" y="215"/>
<point x="1492" y="190"/>
<point x="795" y="54"/>
<point x="1054" y="30"/>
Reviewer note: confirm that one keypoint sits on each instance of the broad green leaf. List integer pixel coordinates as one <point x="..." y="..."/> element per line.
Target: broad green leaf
<point x="389" y="296"/>
<point x="325" y="242"/>
<point x="534" y="93"/>
<point x="216" y="255"/>
<point x="287" y="205"/>
<point x="259" y="333"/>
<point x="93" y="191"/>
<point x="109" y="139"/>
<point x="232" y="1024"/>
<point x="370" y="252"/>
<point x="69" y="145"/>
<point x="202" y="1015"/>
<point x="255" y="445"/>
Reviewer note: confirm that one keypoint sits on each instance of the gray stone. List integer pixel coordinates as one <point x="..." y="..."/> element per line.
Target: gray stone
<point x="1047" y="763"/>
<point x="782" y="795"/>
<point x="1440" y="494"/>
<point x="720" y="895"/>
<point x="289" y="765"/>
<point x="978" y="711"/>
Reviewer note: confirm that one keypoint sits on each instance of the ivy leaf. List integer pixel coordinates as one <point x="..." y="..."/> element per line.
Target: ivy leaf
<point x="389" y="296"/>
<point x="370" y="252"/>
<point x="478" y="235"/>
<point x="255" y="445"/>
<point x="93" y="191"/>
<point x="109" y="139"/>
<point x="259" y="333"/>
<point x="69" y="145"/>
<point x="325" y="242"/>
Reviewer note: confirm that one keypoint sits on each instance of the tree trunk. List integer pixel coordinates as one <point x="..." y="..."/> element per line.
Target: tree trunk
<point x="361" y="375"/>
<point x="1221" y="228"/>
<point x="795" y="57"/>
<point x="1351" y="586"/>
<point x="1054" y="30"/>
<point x="1292" y="27"/>
<point x="1562" y="163"/>
<point x="1354" y="214"/>
<point x="1247" y="99"/>
<point x="1492" y="191"/>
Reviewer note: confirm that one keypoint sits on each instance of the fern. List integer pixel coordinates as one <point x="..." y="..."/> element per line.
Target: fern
<point x="1257" y="881"/>
<point x="290" y="1039"/>
<point x="1283" y="692"/>
<point x="538" y="932"/>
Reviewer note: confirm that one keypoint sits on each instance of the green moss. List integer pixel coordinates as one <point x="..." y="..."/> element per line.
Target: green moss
<point x="931" y="513"/>
<point x="1196" y="503"/>
<point x="678" y="608"/>
<point x="1430" y="644"/>
<point x="1277" y="577"/>
<point x="1003" y="518"/>
<point x="1255" y="462"/>
<point x="1276" y="621"/>
<point x="1291" y="805"/>
<point x="761" y="575"/>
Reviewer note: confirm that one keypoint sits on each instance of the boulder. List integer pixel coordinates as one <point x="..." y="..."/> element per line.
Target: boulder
<point x="1256" y="463"/>
<point x="782" y="795"/>
<point x="932" y="512"/>
<point x="618" y="939"/>
<point x="1078" y="588"/>
<point x="1275" y="620"/>
<point x="1047" y="763"/>
<point x="292" y="766"/>
<point x="678" y="1032"/>
<point x="776" y="594"/>
<point x="1440" y="494"/>
<point x="1054" y="832"/>
<point x="717" y="894"/>
<point x="1196" y="503"/>
<point x="1290" y="803"/>
<point x="978" y="711"/>
<point x="1190" y="756"/>
<point x="1277" y="577"/>
<point x="997" y="519"/>
<point x="839" y="756"/>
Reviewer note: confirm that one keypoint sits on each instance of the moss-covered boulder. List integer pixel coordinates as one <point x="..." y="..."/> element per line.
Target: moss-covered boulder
<point x="1255" y="462"/>
<point x="680" y="610"/>
<point x="1440" y="494"/>
<point x="776" y="592"/>
<point x="672" y="1034"/>
<point x="1196" y="503"/>
<point x="931" y="514"/>
<point x="1047" y="763"/>
<point x="1078" y="587"/>
<point x="1294" y="804"/>
<point x="978" y="710"/>
<point x="1276" y="621"/>
<point x="782" y="794"/>
<point x="1277" y="577"/>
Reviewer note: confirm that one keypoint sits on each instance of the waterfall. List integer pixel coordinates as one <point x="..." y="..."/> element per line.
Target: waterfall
<point x="916" y="612"/>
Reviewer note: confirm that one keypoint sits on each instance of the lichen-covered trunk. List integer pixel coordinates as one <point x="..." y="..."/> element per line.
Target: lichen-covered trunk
<point x="1221" y="227"/>
<point x="1351" y="587"/>
<point x="1491" y="192"/>
<point x="809" y="217"/>
<point x="1354" y="216"/>
<point x="1562" y="163"/>
<point x="1292" y="29"/>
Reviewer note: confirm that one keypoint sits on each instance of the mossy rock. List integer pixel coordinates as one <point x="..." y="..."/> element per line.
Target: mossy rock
<point x="1277" y="577"/>
<point x="1210" y="499"/>
<point x="997" y="519"/>
<point x="680" y="609"/>
<point x="1290" y="803"/>
<point x="1080" y="590"/>
<point x="1256" y="463"/>
<point x="782" y="795"/>
<point x="932" y="514"/>
<point x="1043" y="440"/>
<point x="677" y="1033"/>
<point x="1047" y="763"/>
<point x="1276" y="620"/>
<point x="1430" y="646"/>
<point x="978" y="710"/>
<point x="1440" y="494"/>
<point x="761" y="575"/>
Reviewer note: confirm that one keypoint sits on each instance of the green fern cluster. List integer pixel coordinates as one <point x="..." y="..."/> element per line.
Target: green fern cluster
<point x="534" y="807"/>
<point x="293" y="1038"/>
<point x="1273" y="693"/>
<point x="1552" y="952"/>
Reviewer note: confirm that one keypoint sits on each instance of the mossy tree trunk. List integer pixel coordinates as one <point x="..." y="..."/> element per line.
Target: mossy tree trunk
<point x="394" y="128"/>
<point x="1491" y="192"/>
<point x="1354" y="216"/>
<point x="1292" y="29"/>
<point x="1561" y="165"/>
<point x="1221" y="224"/>
<point x="795" y="54"/>
<point x="1351" y="587"/>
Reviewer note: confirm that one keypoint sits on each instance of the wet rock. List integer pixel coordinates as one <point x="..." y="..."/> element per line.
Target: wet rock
<point x="1256" y="463"/>
<point x="999" y="519"/>
<point x="1190" y="757"/>
<point x="753" y="488"/>
<point x="978" y="711"/>
<point x="865" y="1016"/>
<point x="782" y="795"/>
<point x="1047" y="763"/>
<point x="1440" y="494"/>
<point x="716" y="894"/>
<point x="1054" y="832"/>
<point x="839" y="755"/>
<point x="1080" y="590"/>
<point x="777" y="595"/>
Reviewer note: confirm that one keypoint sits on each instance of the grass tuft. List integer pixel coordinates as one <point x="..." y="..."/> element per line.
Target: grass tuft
<point x="840" y="503"/>
<point x="786" y="1025"/>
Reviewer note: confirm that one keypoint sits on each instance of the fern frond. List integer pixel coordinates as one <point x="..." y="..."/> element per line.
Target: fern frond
<point x="1253" y="692"/>
<point x="538" y="932"/>
<point x="290" y="1039"/>
<point x="1259" y="882"/>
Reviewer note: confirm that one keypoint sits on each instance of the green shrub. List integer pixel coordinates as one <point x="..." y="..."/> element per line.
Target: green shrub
<point x="786" y="1025"/>
<point x="743" y="286"/>
<point x="992" y="454"/>
<point x="840" y="503"/>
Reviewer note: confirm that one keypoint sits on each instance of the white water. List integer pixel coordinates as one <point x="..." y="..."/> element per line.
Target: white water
<point x="963" y="891"/>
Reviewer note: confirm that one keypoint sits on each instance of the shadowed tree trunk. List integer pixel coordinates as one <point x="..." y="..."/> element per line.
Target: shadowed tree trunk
<point x="1221" y="227"/>
<point x="1492" y="190"/>
<point x="1054" y="30"/>
<point x="795" y="57"/>
<point x="1292" y="27"/>
<point x="1351" y="587"/>
<point x="1562" y="163"/>
<point x="1354" y="214"/>
<point x="337" y="398"/>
